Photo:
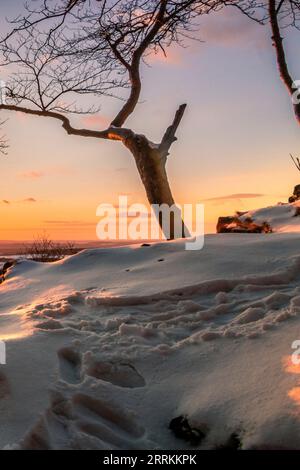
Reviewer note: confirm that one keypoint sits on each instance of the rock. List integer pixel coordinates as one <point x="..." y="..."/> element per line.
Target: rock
<point x="182" y="430"/>
<point x="233" y="443"/>
<point x="7" y="265"/>
<point x="223" y="224"/>
<point x="296" y="194"/>
<point x="5" y="268"/>
<point x="236" y="225"/>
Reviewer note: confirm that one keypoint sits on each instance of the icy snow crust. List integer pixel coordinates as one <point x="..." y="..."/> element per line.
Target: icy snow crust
<point x="105" y="347"/>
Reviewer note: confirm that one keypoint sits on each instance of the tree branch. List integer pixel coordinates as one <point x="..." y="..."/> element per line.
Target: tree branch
<point x="296" y="162"/>
<point x="134" y="70"/>
<point x="129" y="106"/>
<point x="111" y="133"/>
<point x="279" y="6"/>
<point x="169" y="137"/>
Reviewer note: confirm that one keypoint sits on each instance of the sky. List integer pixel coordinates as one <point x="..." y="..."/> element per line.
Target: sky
<point x="233" y="142"/>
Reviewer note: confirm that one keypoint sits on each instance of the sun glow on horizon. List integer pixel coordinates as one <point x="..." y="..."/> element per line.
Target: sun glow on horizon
<point x="229" y="155"/>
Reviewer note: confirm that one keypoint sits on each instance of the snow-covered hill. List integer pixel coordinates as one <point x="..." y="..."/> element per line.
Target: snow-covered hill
<point x="281" y="218"/>
<point x="106" y="347"/>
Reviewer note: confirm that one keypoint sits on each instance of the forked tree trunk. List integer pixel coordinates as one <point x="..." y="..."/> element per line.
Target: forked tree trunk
<point x="150" y="160"/>
<point x="151" y="165"/>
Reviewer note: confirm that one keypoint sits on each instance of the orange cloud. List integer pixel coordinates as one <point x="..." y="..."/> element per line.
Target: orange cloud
<point x="22" y="116"/>
<point x="172" y="57"/>
<point x="28" y="199"/>
<point x="235" y="196"/>
<point x="95" y="120"/>
<point x="31" y="175"/>
<point x="52" y="171"/>
<point x="69" y="223"/>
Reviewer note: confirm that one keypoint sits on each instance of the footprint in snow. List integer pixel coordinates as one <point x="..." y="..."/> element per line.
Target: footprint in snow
<point x="69" y="365"/>
<point x="49" y="325"/>
<point x="117" y="373"/>
<point x="106" y="422"/>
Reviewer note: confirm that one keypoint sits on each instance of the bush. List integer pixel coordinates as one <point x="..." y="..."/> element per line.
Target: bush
<point x="44" y="250"/>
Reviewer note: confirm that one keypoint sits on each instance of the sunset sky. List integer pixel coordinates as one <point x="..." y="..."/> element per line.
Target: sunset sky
<point x="232" y="153"/>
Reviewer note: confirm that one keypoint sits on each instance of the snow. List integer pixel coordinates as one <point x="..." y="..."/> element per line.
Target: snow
<point x="281" y="218"/>
<point x="105" y="347"/>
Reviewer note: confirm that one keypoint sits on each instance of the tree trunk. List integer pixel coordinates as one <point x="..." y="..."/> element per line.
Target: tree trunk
<point x="150" y="160"/>
<point x="151" y="165"/>
<point x="281" y="56"/>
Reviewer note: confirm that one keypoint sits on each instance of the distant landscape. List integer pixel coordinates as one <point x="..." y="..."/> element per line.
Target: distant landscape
<point x="13" y="248"/>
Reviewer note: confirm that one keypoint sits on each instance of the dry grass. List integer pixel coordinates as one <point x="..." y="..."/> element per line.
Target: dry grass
<point x="45" y="250"/>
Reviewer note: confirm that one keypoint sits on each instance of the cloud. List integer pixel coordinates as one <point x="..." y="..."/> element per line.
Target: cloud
<point x="230" y="27"/>
<point x="234" y="196"/>
<point x="22" y="117"/>
<point x="26" y="200"/>
<point x="96" y="120"/>
<point x="32" y="175"/>
<point x="173" y="56"/>
<point x="121" y="169"/>
<point x="50" y="171"/>
<point x="29" y="199"/>
<point x="68" y="223"/>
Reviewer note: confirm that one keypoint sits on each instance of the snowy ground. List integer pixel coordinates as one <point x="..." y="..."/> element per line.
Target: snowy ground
<point x="281" y="218"/>
<point x="105" y="347"/>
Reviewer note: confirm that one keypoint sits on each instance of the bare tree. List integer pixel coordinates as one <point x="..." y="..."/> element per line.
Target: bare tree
<point x="280" y="15"/>
<point x="60" y="49"/>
